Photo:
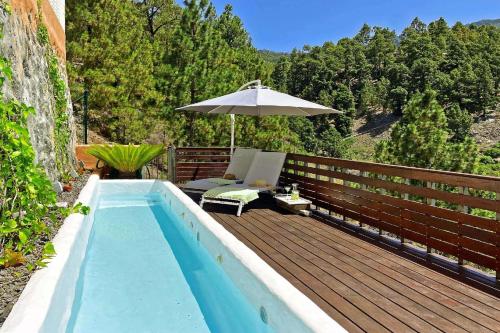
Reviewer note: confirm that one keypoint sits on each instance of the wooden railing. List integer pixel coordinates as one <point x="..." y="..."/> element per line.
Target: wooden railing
<point x="199" y="163"/>
<point x="453" y="214"/>
<point x="431" y="208"/>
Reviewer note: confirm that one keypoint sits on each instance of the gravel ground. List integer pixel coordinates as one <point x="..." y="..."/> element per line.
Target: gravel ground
<point x="14" y="279"/>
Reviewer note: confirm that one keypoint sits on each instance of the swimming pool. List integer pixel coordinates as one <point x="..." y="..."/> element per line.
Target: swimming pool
<point x="148" y="259"/>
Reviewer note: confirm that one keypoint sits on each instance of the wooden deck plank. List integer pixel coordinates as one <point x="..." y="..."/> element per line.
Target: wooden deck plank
<point x="392" y="287"/>
<point x="360" y="284"/>
<point x="356" y="297"/>
<point x="342" y="320"/>
<point x="377" y="284"/>
<point x="348" y="310"/>
<point x="439" y="284"/>
<point x="339" y="276"/>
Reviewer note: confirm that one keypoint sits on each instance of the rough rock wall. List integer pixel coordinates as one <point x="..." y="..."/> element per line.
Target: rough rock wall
<point x="31" y="85"/>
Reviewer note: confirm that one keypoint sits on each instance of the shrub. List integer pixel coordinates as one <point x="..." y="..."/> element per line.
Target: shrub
<point x="27" y="199"/>
<point x="126" y="158"/>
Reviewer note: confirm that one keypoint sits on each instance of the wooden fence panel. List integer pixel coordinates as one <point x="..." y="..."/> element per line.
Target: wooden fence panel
<point x="200" y="162"/>
<point x="438" y="210"/>
<point x="432" y="208"/>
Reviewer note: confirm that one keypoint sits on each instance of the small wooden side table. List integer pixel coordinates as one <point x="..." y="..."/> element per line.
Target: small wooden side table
<point x="301" y="206"/>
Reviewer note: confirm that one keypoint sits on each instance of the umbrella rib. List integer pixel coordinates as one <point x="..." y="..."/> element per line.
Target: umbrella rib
<point x="230" y="109"/>
<point x="307" y="114"/>
<point x="210" y="112"/>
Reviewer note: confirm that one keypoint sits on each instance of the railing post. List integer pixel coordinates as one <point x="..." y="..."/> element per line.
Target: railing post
<point x="318" y="177"/>
<point x="462" y="209"/>
<point x="430" y="202"/>
<point x="346" y="183"/>
<point x="498" y="240"/>
<point x="383" y="192"/>
<point x="331" y="180"/>
<point x="364" y="188"/>
<point x="406" y="196"/>
<point x="171" y="164"/>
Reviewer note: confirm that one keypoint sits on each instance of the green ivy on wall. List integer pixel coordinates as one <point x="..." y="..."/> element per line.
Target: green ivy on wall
<point x="5" y="6"/>
<point x="61" y="119"/>
<point x="27" y="199"/>
<point x="62" y="130"/>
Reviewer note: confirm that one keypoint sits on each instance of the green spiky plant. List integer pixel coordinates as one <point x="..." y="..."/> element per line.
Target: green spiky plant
<point x="126" y="159"/>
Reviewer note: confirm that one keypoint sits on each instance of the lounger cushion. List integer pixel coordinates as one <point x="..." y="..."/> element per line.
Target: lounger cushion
<point x="200" y="184"/>
<point x="241" y="161"/>
<point x="222" y="181"/>
<point x="267" y="167"/>
<point x="244" y="195"/>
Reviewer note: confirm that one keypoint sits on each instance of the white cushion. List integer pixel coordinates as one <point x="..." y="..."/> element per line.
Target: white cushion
<point x="200" y="184"/>
<point x="241" y="161"/>
<point x="266" y="166"/>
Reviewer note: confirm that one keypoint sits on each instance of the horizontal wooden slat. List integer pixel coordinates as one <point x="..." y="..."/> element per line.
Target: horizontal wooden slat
<point x="436" y="227"/>
<point x="452" y="178"/>
<point x="203" y="158"/>
<point x="476" y="221"/>
<point x="202" y="150"/>
<point x="181" y="165"/>
<point x="200" y="173"/>
<point x="201" y="170"/>
<point x="414" y="236"/>
<point x="478" y="258"/>
<point x="443" y="246"/>
<point x="479" y="234"/>
<point x="477" y="246"/>
<point x="455" y="198"/>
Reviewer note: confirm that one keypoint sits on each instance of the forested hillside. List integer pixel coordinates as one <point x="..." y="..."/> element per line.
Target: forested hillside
<point x="495" y="23"/>
<point x="142" y="59"/>
<point x="378" y="71"/>
<point x="272" y="56"/>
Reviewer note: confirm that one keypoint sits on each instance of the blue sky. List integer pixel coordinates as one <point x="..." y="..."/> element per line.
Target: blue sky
<point x="281" y="25"/>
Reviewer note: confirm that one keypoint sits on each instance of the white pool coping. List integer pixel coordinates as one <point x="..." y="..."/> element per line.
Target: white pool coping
<point x="31" y="311"/>
<point x="32" y="308"/>
<point x="305" y="309"/>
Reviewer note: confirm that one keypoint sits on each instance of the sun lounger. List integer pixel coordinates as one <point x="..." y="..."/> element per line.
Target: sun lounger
<point x="262" y="176"/>
<point x="238" y="167"/>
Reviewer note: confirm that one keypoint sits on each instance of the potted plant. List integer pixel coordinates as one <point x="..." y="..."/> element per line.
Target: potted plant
<point x="66" y="180"/>
<point x="126" y="161"/>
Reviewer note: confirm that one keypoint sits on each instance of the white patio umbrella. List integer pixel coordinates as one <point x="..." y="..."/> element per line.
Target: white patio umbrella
<point x="257" y="100"/>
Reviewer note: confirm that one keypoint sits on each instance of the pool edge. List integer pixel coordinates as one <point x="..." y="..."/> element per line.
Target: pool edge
<point x="301" y="305"/>
<point x="36" y="299"/>
<point x="35" y="307"/>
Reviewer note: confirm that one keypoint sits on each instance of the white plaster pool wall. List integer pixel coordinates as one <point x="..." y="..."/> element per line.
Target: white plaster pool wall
<point x="45" y="304"/>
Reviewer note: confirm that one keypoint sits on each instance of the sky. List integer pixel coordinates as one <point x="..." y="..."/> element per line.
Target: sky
<point x="281" y="25"/>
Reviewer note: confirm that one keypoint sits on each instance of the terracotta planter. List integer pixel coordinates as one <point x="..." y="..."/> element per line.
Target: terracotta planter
<point x="67" y="188"/>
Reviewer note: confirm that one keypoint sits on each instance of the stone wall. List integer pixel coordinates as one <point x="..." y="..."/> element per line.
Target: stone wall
<point x="31" y="85"/>
<point x="52" y="14"/>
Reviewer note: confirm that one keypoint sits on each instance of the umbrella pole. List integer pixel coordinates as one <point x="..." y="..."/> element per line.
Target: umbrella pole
<point x="232" y="134"/>
<point x="256" y="82"/>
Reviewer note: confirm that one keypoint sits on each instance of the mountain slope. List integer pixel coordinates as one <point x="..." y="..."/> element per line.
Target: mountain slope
<point x="272" y="56"/>
<point x="495" y="23"/>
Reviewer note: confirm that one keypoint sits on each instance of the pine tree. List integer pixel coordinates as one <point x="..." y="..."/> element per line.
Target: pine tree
<point x="422" y="140"/>
<point x="110" y="56"/>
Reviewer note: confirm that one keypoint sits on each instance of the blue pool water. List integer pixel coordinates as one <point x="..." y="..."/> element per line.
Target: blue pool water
<point x="144" y="272"/>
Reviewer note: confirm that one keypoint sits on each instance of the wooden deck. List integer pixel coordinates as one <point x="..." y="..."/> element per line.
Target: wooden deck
<point x="363" y="284"/>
